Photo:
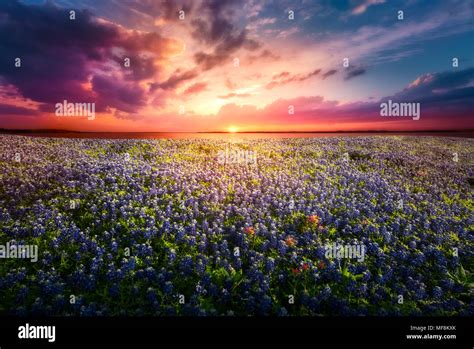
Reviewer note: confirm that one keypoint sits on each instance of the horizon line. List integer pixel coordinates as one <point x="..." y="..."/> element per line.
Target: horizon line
<point x="2" y="130"/>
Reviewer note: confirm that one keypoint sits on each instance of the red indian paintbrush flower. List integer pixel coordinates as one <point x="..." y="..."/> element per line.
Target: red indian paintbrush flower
<point x="290" y="241"/>
<point x="313" y="219"/>
<point x="249" y="231"/>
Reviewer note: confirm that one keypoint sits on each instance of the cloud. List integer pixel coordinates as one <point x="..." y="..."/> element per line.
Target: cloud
<point x="265" y="55"/>
<point x="445" y="98"/>
<point x="360" y="9"/>
<point x="286" y="78"/>
<point x="230" y="84"/>
<point x="112" y="92"/>
<point x="224" y="50"/>
<point x="329" y="73"/>
<point x="233" y="94"/>
<point x="449" y="89"/>
<point x="288" y="32"/>
<point x="378" y="42"/>
<point x="216" y="29"/>
<point x="139" y="13"/>
<point x="421" y="80"/>
<point x="451" y="109"/>
<point x="281" y="75"/>
<point x="195" y="88"/>
<point x="257" y="24"/>
<point x="353" y="72"/>
<point x="8" y="109"/>
<point x="175" y="80"/>
<point x="141" y="67"/>
<point x="77" y="60"/>
<point x="168" y="9"/>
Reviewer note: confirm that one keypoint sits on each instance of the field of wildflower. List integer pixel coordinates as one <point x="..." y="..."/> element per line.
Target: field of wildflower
<point x="161" y="227"/>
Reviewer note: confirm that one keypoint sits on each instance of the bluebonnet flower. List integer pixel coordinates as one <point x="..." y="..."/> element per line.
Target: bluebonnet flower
<point x="326" y="292"/>
<point x="437" y="292"/>
<point x="270" y="265"/>
<point x="168" y="287"/>
<point x="201" y="267"/>
<point x="282" y="248"/>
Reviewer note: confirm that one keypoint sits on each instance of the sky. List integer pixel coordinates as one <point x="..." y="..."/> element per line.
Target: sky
<point x="230" y="65"/>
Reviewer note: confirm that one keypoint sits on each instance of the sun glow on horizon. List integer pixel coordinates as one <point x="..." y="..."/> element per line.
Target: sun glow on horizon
<point x="233" y="129"/>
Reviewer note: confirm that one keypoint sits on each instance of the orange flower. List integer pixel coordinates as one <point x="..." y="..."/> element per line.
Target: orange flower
<point x="290" y="241"/>
<point x="321" y="265"/>
<point x="295" y="271"/>
<point x="249" y="231"/>
<point x="421" y="173"/>
<point x="305" y="266"/>
<point x="313" y="219"/>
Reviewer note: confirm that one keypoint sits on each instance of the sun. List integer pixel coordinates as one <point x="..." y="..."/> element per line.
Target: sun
<point x="232" y="129"/>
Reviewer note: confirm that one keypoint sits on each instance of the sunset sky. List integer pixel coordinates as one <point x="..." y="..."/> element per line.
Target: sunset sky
<point x="236" y="65"/>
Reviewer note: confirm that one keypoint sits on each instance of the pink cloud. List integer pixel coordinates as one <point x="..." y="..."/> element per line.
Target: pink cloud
<point x="195" y="88"/>
<point x="365" y="5"/>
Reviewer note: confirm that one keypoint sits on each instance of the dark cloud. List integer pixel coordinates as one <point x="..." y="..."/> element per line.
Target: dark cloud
<point x="217" y="30"/>
<point x="166" y="9"/>
<point x="217" y="27"/>
<point x="175" y="80"/>
<point x="208" y="61"/>
<point x="353" y="71"/>
<point x="223" y="51"/>
<point x="125" y="96"/>
<point x="329" y="73"/>
<point x="313" y="73"/>
<point x="8" y="109"/>
<point x="286" y="78"/>
<point x="447" y="89"/>
<point x="61" y="57"/>
<point x="141" y="66"/>
<point x="54" y="51"/>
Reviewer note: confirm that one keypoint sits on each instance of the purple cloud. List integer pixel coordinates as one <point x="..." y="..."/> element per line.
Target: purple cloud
<point x="77" y="60"/>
